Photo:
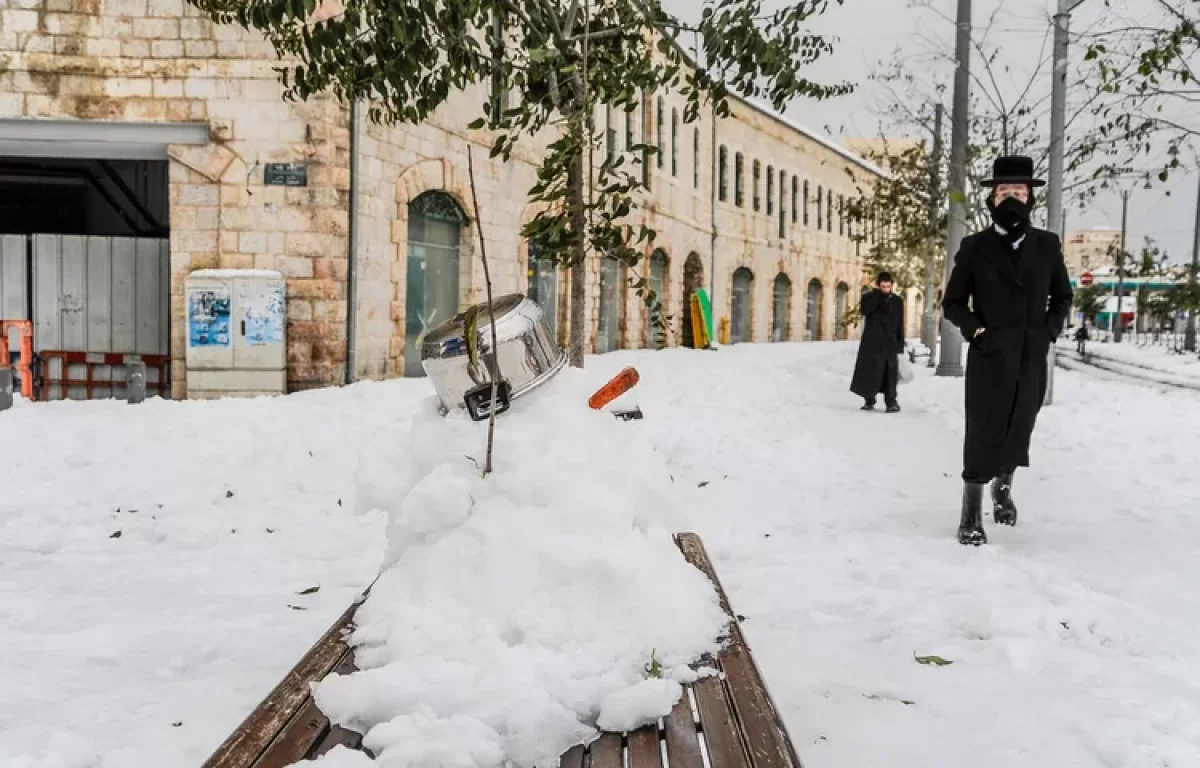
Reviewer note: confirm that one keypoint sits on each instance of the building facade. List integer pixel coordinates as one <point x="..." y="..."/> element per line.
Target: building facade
<point x="1090" y="249"/>
<point x="164" y="125"/>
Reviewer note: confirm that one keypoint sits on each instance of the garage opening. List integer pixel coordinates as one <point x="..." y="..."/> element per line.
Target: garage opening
<point x="84" y="250"/>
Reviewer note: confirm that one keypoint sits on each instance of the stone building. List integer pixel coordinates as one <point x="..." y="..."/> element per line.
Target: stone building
<point x="160" y="124"/>
<point x="1090" y="249"/>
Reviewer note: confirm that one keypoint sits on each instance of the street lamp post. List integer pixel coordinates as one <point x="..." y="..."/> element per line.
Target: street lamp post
<point x="929" y="316"/>
<point x="1119" y="328"/>
<point x="950" y="359"/>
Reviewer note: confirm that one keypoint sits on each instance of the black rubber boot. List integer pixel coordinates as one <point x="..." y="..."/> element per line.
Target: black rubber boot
<point x="893" y="408"/>
<point x="1004" y="511"/>
<point x="869" y="405"/>
<point x="970" y="527"/>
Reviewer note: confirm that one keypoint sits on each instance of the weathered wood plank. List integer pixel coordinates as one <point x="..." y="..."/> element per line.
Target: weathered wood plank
<point x="683" y="743"/>
<point x="298" y="737"/>
<point x="335" y="734"/>
<point x="607" y="752"/>
<point x="644" y="750"/>
<point x="721" y="734"/>
<point x="259" y="729"/>
<point x="754" y="712"/>
<point x="573" y="757"/>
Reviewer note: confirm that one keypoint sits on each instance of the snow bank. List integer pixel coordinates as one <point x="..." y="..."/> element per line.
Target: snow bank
<point x="516" y="612"/>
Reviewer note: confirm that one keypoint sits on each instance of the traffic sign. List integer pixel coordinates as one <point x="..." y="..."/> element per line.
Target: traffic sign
<point x="1085" y="279"/>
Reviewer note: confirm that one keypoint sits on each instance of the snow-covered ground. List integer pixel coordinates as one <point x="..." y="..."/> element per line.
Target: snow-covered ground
<point x="1152" y="357"/>
<point x="1074" y="637"/>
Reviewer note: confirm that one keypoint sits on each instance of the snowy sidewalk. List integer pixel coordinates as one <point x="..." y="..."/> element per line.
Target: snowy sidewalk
<point x="1073" y="637"/>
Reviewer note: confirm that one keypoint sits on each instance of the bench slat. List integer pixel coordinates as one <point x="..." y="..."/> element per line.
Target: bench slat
<point x="644" y="751"/>
<point x="683" y="743"/>
<point x="246" y="744"/>
<point x="572" y="758"/>
<point x="607" y="752"/>
<point x="725" y="745"/>
<point x="305" y="729"/>
<point x="755" y="715"/>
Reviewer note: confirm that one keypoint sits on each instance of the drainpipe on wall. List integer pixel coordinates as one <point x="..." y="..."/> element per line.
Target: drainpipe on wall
<point x="713" y="192"/>
<point x="352" y="256"/>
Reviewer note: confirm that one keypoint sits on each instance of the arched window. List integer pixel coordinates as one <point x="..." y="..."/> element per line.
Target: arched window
<point x="770" y="190"/>
<point x="781" y="308"/>
<point x="542" y="288"/>
<point x="820" y="208"/>
<point x="813" y="309"/>
<point x="840" y="295"/>
<point x="757" y="186"/>
<point x="741" y="301"/>
<point x="660" y="135"/>
<point x="782" y="204"/>
<point x="795" y="193"/>
<point x="739" y="187"/>
<point x="660" y="267"/>
<point x="723" y="174"/>
<point x="435" y="223"/>
<point x="610" y="132"/>
<point x="674" y="142"/>
<point x="611" y="307"/>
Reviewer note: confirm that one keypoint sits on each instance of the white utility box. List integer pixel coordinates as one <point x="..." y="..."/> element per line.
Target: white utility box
<point x="236" y="344"/>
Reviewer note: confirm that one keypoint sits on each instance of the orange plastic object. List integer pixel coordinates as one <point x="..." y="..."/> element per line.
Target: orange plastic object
<point x="24" y="365"/>
<point x="616" y="386"/>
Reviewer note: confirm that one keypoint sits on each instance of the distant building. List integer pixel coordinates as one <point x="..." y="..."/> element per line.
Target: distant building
<point x="1090" y="249"/>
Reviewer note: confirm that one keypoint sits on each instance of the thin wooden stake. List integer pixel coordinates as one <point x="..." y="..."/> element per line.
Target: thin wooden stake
<point x="487" y="279"/>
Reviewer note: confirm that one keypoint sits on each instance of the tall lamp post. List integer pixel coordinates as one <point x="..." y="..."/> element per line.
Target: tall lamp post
<point x="950" y="359"/>
<point x="1058" y="129"/>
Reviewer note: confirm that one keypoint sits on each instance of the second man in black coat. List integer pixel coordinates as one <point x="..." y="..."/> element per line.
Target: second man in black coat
<point x="877" y="370"/>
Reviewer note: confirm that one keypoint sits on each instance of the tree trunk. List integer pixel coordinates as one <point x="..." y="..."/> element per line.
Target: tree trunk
<point x="575" y="207"/>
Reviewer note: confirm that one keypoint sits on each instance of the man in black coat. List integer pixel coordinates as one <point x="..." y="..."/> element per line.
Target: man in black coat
<point x="878" y="369"/>
<point x="1010" y="295"/>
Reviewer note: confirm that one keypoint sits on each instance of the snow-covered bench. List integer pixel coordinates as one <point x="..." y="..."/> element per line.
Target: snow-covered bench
<point x="731" y="716"/>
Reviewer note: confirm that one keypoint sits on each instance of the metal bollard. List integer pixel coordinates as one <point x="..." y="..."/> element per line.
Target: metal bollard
<point x="135" y="382"/>
<point x="6" y="388"/>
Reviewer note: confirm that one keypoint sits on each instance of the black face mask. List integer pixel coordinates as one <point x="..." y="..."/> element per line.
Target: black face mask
<point x="1011" y="215"/>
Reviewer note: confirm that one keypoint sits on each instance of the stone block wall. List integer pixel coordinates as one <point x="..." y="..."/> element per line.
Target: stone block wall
<point x="158" y="61"/>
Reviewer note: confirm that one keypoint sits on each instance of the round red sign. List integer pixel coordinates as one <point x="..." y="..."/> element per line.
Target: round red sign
<point x="1085" y="278"/>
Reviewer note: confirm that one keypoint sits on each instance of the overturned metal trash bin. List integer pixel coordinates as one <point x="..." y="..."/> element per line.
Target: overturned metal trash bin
<point x="527" y="354"/>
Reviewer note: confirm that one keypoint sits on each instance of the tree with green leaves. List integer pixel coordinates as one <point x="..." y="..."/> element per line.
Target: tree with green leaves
<point x="564" y="58"/>
<point x="1089" y="300"/>
<point x="1146" y="88"/>
<point x="901" y="218"/>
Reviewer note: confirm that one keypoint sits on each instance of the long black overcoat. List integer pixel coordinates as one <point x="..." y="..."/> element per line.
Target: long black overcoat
<point x="877" y="370"/>
<point x="1021" y="303"/>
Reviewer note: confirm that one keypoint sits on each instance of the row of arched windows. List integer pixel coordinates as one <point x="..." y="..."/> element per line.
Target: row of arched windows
<point x="435" y="223"/>
<point x="742" y="303"/>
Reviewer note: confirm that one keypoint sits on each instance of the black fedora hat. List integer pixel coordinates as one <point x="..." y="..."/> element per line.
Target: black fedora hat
<point x="1014" y="169"/>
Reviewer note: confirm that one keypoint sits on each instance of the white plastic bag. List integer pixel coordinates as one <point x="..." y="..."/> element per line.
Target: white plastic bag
<point x="906" y="369"/>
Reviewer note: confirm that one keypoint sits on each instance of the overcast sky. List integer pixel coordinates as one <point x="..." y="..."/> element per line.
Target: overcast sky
<point x="870" y="31"/>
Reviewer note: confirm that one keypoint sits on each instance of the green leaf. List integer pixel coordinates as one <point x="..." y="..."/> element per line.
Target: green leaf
<point x="935" y="661"/>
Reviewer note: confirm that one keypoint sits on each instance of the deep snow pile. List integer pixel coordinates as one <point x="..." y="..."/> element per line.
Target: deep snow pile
<point x="153" y="560"/>
<point x="516" y="612"/>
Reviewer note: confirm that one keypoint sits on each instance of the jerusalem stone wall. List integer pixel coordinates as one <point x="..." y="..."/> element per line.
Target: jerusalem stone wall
<point x="156" y="61"/>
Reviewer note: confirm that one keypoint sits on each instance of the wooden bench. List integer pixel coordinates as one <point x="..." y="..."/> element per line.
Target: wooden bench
<point x="729" y="717"/>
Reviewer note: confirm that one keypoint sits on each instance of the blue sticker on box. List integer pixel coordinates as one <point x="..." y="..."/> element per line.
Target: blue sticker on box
<point x="208" y="318"/>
